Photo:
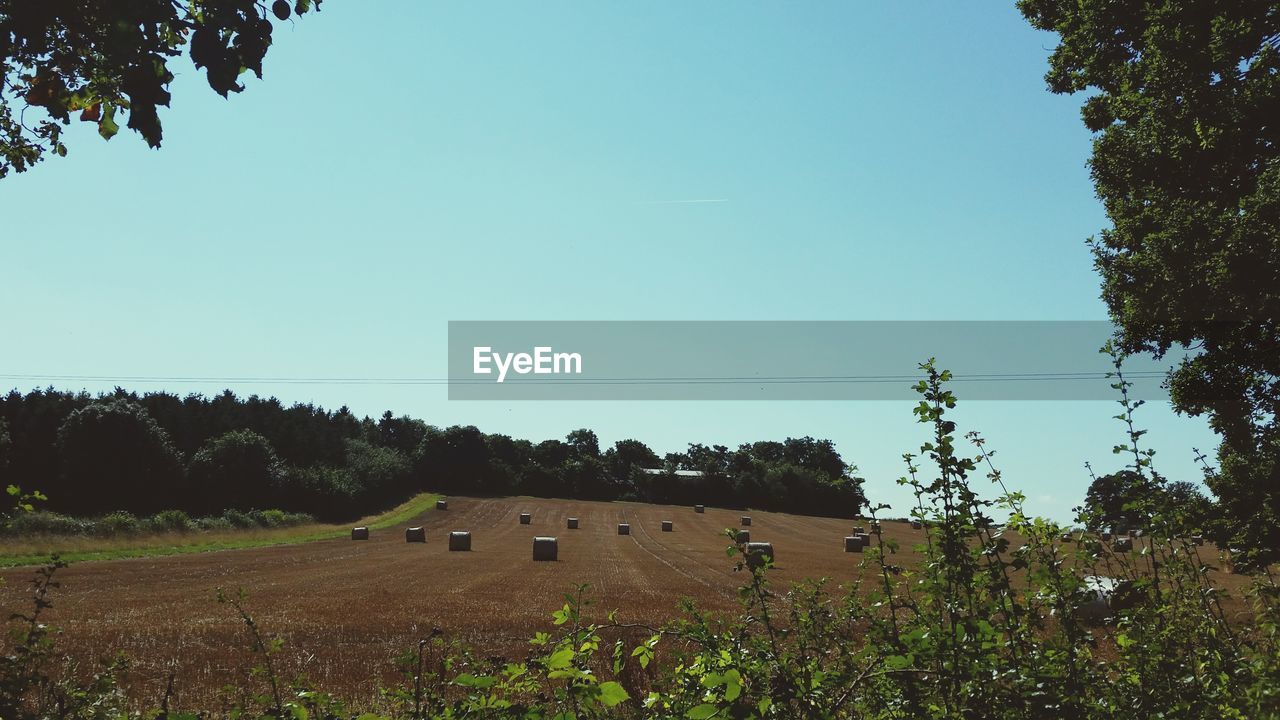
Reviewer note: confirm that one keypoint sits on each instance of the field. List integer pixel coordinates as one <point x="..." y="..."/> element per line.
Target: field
<point x="346" y="608"/>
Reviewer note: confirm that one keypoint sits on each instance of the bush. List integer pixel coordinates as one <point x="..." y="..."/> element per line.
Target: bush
<point x="170" y="521"/>
<point x="238" y="518"/>
<point x="42" y="522"/>
<point x="117" y="523"/>
<point x="214" y="523"/>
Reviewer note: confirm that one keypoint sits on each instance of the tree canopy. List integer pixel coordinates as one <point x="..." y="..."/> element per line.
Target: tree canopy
<point x="1184" y="99"/>
<point x="142" y="453"/>
<point x="101" y="59"/>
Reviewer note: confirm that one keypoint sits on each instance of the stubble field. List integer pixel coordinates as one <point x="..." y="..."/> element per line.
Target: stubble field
<point x="345" y="609"/>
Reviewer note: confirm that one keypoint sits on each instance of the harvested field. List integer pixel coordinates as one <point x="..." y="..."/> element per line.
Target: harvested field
<point x="345" y="609"/>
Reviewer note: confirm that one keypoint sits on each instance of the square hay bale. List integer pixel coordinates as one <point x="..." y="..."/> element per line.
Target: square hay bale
<point x="1106" y="536"/>
<point x="1123" y="544"/>
<point x="459" y="541"/>
<point x="746" y="521"/>
<point x="415" y="534"/>
<point x="853" y="543"/>
<point x="360" y="533"/>
<point x="572" y="523"/>
<point x="545" y="548"/>
<point x="757" y="552"/>
<point x="916" y="525"/>
<point x="858" y="529"/>
<point x="525" y="518"/>
<point x="1197" y="539"/>
<point x="667" y="526"/>
<point x="742" y="536"/>
<point x="624" y="529"/>
<point x="865" y="538"/>
<point x="699" y="508"/>
<point x="442" y="504"/>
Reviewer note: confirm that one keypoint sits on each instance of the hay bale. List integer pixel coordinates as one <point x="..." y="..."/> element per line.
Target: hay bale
<point x="442" y="504"/>
<point x="757" y="552"/>
<point x="916" y="525"/>
<point x="1197" y="539"/>
<point x="858" y="529"/>
<point x="667" y="526"/>
<point x="1106" y="536"/>
<point x="624" y="529"/>
<point x="865" y="538"/>
<point x="743" y="536"/>
<point x="1067" y="537"/>
<point x="1102" y="596"/>
<point x="525" y="518"/>
<point x="746" y="521"/>
<point x="699" y="508"/>
<point x="360" y="533"/>
<point x="1123" y="544"/>
<point x="415" y="534"/>
<point x="459" y="541"/>
<point x="875" y="526"/>
<point x="545" y="548"/>
<point x="853" y="543"/>
<point x="572" y="523"/>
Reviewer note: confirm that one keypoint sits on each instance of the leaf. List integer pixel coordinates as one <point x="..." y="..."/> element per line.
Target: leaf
<point x="611" y="693"/>
<point x="560" y="659"/>
<point x="897" y="662"/>
<point x="702" y="712"/>
<point x="469" y="680"/>
<point x="107" y="126"/>
<point x="732" y="685"/>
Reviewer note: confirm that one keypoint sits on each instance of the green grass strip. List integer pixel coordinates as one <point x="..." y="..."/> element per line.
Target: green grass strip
<point x="401" y="514"/>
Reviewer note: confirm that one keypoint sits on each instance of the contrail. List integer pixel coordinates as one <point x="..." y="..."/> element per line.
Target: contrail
<point x="682" y="202"/>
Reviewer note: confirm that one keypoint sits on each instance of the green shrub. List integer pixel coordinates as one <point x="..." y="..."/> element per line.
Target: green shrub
<point x="214" y="523"/>
<point x="238" y="518"/>
<point x="170" y="521"/>
<point x="42" y="522"/>
<point x="117" y="523"/>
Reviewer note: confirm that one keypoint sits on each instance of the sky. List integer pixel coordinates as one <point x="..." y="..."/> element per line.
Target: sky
<point x="405" y="164"/>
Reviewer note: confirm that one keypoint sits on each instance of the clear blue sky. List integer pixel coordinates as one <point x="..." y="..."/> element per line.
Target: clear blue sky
<point x="405" y="164"/>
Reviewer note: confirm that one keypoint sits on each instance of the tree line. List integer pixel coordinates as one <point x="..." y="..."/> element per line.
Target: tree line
<point x="122" y="451"/>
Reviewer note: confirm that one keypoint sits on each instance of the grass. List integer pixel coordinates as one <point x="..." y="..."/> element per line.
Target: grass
<point x="17" y="552"/>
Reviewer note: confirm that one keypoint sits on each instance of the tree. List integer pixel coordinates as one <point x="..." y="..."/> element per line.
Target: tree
<point x="1119" y="500"/>
<point x="115" y="457"/>
<point x="5" y="444"/>
<point x="238" y="470"/>
<point x="100" y="57"/>
<point x="1185" y="506"/>
<point x="1184" y="98"/>
<point x="626" y="458"/>
<point x="584" y="443"/>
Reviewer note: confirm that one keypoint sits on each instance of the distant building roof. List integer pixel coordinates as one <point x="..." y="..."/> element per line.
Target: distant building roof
<point x="680" y="473"/>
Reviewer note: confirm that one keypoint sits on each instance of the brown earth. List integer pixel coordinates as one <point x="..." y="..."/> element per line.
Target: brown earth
<point x="345" y="609"/>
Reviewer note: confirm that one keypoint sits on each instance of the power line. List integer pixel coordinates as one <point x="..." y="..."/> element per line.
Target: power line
<point x="562" y="380"/>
